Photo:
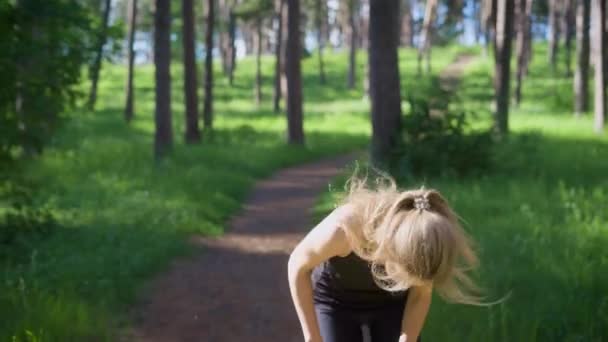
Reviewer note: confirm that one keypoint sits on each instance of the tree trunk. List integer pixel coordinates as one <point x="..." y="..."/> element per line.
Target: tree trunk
<point x="407" y="24"/>
<point x="504" y="32"/>
<point x="581" y="76"/>
<point x="426" y="34"/>
<point x="554" y="33"/>
<point x="163" y="138"/>
<point x="567" y="28"/>
<point x="352" y="35"/>
<point x="190" y="72"/>
<point x="130" y="60"/>
<point x="600" y="63"/>
<point x="103" y="34"/>
<point x="276" y="98"/>
<point x="258" y="62"/>
<point x="384" y="81"/>
<point x="208" y="102"/>
<point x="232" y="47"/>
<point x="320" y="24"/>
<point x="522" y="15"/>
<point x="295" y="132"/>
<point x="488" y="18"/>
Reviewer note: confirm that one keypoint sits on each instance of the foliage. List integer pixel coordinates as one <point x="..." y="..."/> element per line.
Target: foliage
<point x="441" y="143"/>
<point x="44" y="46"/>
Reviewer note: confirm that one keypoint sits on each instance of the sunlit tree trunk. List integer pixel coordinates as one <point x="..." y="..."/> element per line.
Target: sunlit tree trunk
<point x="208" y="102"/>
<point x="320" y="14"/>
<point x="581" y="76"/>
<point x="385" y="91"/>
<point x="424" y="51"/>
<point x="258" y="62"/>
<point x="352" y="37"/>
<point x="130" y="60"/>
<point x="523" y="10"/>
<point x="407" y="24"/>
<point x="504" y="32"/>
<point x="567" y="29"/>
<point x="192" y="134"/>
<point x="96" y="67"/>
<point x="554" y="31"/>
<point x="163" y="137"/>
<point x="600" y="63"/>
<point x="293" y="73"/>
<point x="279" y="60"/>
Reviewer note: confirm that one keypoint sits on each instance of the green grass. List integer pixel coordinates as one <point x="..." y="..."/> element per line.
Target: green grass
<point x="123" y="218"/>
<point x="540" y="219"/>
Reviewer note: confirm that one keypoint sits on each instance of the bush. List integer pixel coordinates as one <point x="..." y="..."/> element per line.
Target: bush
<point x="440" y="142"/>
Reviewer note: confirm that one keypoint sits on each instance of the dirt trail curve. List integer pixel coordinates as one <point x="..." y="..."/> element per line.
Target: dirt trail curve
<point x="236" y="288"/>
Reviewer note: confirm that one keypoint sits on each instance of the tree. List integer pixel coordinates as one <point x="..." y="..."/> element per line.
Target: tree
<point x="132" y="17"/>
<point x="385" y="91"/>
<point x="567" y="28"/>
<point x="351" y="8"/>
<point x="600" y="63"/>
<point x="101" y="41"/>
<point x="424" y="49"/>
<point x="208" y="102"/>
<point x="523" y="12"/>
<point x="502" y="71"/>
<point x="279" y="54"/>
<point x="320" y="19"/>
<point x="488" y="21"/>
<point x="554" y="33"/>
<point x="407" y="24"/>
<point x="581" y="75"/>
<point x="293" y="73"/>
<point x="163" y="137"/>
<point x="192" y="134"/>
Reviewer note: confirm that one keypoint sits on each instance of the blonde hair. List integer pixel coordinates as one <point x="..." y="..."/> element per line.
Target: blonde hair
<point x="404" y="241"/>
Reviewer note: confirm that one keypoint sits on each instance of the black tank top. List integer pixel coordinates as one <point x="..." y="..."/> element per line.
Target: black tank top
<point x="348" y="282"/>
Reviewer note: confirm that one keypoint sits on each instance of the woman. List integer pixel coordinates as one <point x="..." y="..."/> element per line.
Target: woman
<point x="375" y="261"/>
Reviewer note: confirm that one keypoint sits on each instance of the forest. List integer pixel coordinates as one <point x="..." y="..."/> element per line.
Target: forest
<point x="130" y="127"/>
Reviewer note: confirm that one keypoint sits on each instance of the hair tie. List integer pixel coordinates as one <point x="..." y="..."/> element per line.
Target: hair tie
<point x="421" y="202"/>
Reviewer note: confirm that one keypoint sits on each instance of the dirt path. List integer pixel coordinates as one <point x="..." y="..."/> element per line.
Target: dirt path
<point x="236" y="289"/>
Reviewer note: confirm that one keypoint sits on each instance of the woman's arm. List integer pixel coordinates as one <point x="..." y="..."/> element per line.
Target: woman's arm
<point x="414" y="315"/>
<point x="324" y="241"/>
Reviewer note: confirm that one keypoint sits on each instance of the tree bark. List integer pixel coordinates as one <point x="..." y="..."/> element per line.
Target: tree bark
<point x="385" y="91"/>
<point x="554" y="33"/>
<point x="190" y="72"/>
<point x="232" y="47"/>
<point x="163" y="138"/>
<point x="208" y="102"/>
<point x="504" y="28"/>
<point x="581" y="76"/>
<point x="103" y="35"/>
<point x="407" y="24"/>
<point x="278" y="67"/>
<point x="426" y="35"/>
<point x="130" y="60"/>
<point x="320" y="24"/>
<point x="567" y="28"/>
<point x="295" y="132"/>
<point x="600" y="64"/>
<point x="352" y="37"/>
<point x="258" y="62"/>
<point x="523" y="10"/>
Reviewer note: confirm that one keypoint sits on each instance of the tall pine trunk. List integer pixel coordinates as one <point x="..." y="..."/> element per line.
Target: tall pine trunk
<point x="554" y="32"/>
<point x="352" y="36"/>
<point x="208" y="101"/>
<point x="385" y="90"/>
<point x="96" y="67"/>
<point x="567" y="28"/>
<point x="320" y="24"/>
<point x="407" y="24"/>
<point x="190" y="72"/>
<point x="232" y="46"/>
<point x="581" y="75"/>
<point x="502" y="72"/>
<point x="130" y="60"/>
<point x="523" y="10"/>
<point x="600" y="63"/>
<point x="258" y="61"/>
<point x="293" y="73"/>
<point x="163" y="137"/>
<point x="424" y="51"/>
<point x="278" y="67"/>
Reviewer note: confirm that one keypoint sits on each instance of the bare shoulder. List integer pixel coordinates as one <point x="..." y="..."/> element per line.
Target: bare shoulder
<point x="327" y="239"/>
